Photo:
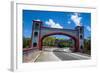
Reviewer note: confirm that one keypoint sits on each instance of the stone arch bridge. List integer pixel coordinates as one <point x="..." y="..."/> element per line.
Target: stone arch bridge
<point x="39" y="33"/>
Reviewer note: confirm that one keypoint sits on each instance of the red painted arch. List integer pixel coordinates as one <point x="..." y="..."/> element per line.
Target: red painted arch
<point x="61" y="33"/>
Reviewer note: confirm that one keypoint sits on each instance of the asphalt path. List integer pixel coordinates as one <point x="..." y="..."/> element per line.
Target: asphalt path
<point x="56" y="54"/>
<point x="64" y="56"/>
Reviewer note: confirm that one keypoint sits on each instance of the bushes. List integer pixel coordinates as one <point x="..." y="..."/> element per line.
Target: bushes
<point x="57" y="42"/>
<point x="87" y="46"/>
<point x="26" y="42"/>
<point x="49" y="41"/>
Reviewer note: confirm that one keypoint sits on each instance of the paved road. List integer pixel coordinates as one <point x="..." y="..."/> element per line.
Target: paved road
<point x="56" y="54"/>
<point x="46" y="57"/>
<point x="64" y="56"/>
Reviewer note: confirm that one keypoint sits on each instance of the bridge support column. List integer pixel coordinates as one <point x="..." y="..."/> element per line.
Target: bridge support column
<point x="80" y="34"/>
<point x="36" y="29"/>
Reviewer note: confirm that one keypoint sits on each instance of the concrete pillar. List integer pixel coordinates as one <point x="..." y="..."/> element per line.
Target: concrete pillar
<point x="80" y="34"/>
<point x="36" y="34"/>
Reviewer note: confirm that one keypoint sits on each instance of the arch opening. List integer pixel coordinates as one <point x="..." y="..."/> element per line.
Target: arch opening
<point x="74" y="48"/>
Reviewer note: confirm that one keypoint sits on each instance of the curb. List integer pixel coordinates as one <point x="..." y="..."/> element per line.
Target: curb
<point x="36" y="57"/>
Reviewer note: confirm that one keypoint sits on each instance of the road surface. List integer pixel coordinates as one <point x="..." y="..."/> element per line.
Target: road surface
<point x="56" y="54"/>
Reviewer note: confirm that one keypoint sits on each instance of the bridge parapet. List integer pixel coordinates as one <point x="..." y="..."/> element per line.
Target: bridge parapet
<point x="47" y="30"/>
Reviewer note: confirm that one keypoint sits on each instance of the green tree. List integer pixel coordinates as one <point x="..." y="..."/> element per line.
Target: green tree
<point x="49" y="41"/>
<point x="26" y="42"/>
<point x="87" y="45"/>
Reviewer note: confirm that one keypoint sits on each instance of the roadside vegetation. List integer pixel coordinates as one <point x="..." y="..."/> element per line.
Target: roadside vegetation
<point x="26" y="42"/>
<point x="87" y="46"/>
<point x="61" y="43"/>
<point x="57" y="42"/>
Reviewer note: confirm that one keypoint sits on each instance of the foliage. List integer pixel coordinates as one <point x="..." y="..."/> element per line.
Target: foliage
<point x="57" y="42"/>
<point x="49" y="41"/>
<point x="87" y="45"/>
<point x="26" y="42"/>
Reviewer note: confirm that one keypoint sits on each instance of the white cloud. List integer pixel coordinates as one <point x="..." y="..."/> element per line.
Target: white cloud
<point x="69" y="22"/>
<point x="52" y="24"/>
<point x="88" y="28"/>
<point x="76" y="19"/>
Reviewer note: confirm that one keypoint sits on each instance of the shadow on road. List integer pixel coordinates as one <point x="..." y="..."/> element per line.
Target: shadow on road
<point x="63" y="55"/>
<point x="67" y="55"/>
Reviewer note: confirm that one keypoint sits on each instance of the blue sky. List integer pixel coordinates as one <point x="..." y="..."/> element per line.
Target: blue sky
<point x="53" y="19"/>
